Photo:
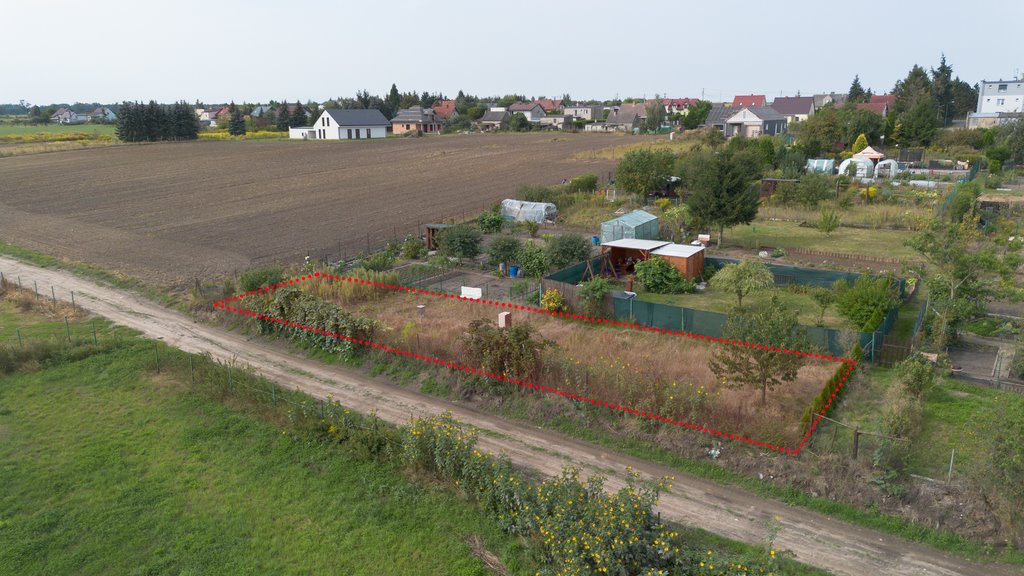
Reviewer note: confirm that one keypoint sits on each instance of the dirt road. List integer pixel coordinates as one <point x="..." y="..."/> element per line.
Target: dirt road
<point x="732" y="512"/>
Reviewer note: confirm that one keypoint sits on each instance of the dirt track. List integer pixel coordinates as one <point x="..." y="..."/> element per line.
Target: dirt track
<point x="172" y="212"/>
<point x="728" y="511"/>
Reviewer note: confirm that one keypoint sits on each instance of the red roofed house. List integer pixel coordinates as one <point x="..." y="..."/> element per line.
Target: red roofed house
<point x="879" y="104"/>
<point x="749" y="101"/>
<point x="674" y="105"/>
<point x="548" y="104"/>
<point x="445" y="109"/>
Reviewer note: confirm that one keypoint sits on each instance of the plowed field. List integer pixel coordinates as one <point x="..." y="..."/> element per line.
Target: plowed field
<point x="176" y="211"/>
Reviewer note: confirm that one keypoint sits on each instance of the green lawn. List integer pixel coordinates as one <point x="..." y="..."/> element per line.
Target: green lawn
<point x="858" y="241"/>
<point x="722" y="301"/>
<point x="109" y="469"/>
<point x="960" y="416"/>
<point x="27" y="130"/>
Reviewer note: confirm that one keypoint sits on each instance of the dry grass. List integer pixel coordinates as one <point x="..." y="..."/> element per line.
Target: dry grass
<point x="616" y="152"/>
<point x="657" y="373"/>
<point x="346" y="293"/>
<point x="7" y="151"/>
<point x="28" y="301"/>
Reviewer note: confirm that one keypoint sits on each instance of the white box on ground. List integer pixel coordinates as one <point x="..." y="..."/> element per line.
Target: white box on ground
<point x="505" y="320"/>
<point x="472" y="293"/>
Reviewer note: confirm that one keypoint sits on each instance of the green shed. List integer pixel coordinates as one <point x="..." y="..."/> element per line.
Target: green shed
<point x="638" y="225"/>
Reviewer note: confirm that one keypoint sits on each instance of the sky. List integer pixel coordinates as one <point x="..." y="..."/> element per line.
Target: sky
<point x="254" y="50"/>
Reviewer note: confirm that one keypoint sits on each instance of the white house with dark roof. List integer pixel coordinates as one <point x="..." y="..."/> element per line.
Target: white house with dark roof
<point x="344" y="124"/>
<point x="532" y="110"/>
<point x="749" y="122"/>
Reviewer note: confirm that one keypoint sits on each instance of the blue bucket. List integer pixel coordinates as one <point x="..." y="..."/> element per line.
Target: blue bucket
<point x="595" y="240"/>
<point x="513" y="271"/>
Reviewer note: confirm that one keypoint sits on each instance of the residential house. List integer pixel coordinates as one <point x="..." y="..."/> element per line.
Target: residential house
<point x="102" y="114"/>
<point x="445" y="110"/>
<point x="494" y="119"/>
<point x="533" y="111"/>
<point x="628" y="117"/>
<point x="832" y="98"/>
<point x="260" y="111"/>
<point x="344" y="124"/>
<point x="556" y="121"/>
<point x="749" y="101"/>
<point x="209" y="116"/>
<point x="549" y="105"/>
<point x="678" y="105"/>
<point x="416" y="119"/>
<point x="591" y="113"/>
<point x="67" y="116"/>
<point x="880" y="104"/>
<point x="749" y="122"/>
<point x="794" y="108"/>
<point x="999" y="101"/>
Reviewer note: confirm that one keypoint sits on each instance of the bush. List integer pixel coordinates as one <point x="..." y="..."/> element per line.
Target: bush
<point x="916" y="374"/>
<point x="866" y="301"/>
<point x="460" y="241"/>
<point x="592" y="293"/>
<point x="413" y="248"/>
<point x="553" y="301"/>
<point x="319" y="316"/>
<point x="658" y="276"/>
<point x="566" y="250"/>
<point x="584" y="183"/>
<point x="490" y="222"/>
<point x="533" y="259"/>
<point x="509" y="352"/>
<point x="1017" y="366"/>
<point x="537" y="194"/>
<point x="379" y="261"/>
<point x="503" y="250"/>
<point x="252" y="280"/>
<point x="531" y="228"/>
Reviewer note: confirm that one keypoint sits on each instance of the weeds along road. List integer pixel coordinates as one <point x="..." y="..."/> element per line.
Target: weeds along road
<point x="728" y="511"/>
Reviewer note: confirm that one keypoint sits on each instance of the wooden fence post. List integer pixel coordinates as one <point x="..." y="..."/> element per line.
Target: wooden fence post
<point x="856" y="441"/>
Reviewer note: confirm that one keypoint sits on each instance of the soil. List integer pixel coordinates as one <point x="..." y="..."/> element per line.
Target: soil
<point x="732" y="512"/>
<point x="173" y="212"/>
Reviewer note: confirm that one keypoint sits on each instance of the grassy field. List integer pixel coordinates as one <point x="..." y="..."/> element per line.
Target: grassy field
<point x="51" y="129"/>
<point x="147" y="478"/>
<point x="857" y="241"/>
<point x="723" y="302"/>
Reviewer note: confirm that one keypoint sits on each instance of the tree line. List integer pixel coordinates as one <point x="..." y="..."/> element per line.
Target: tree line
<point x="152" y="122"/>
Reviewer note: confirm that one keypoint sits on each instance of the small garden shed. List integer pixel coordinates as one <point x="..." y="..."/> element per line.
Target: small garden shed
<point x="689" y="260"/>
<point x="619" y="256"/>
<point x="637" y="225"/>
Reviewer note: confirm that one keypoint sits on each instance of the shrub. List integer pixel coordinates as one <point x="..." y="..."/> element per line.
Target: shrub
<point x="509" y="352"/>
<point x="460" y="241"/>
<point x="319" y="316"/>
<point x="592" y="293"/>
<point x="584" y="183"/>
<point x="379" y="261"/>
<point x="252" y="280"/>
<point x="553" y="301"/>
<point x="531" y="228"/>
<point x="537" y="194"/>
<point x="1017" y="366"/>
<point x="828" y="222"/>
<point x="533" y="259"/>
<point x="566" y="250"/>
<point x="916" y="374"/>
<point x="658" y="276"/>
<point x="490" y="222"/>
<point x="503" y="250"/>
<point x="413" y="248"/>
<point x="865" y="302"/>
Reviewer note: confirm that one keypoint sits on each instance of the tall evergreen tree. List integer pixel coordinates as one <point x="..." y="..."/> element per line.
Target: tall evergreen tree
<point x="856" y="94"/>
<point x="942" y="89"/>
<point x="298" y="117"/>
<point x="155" y="122"/>
<point x="721" y="191"/>
<point x="236" y="125"/>
<point x="283" y="118"/>
<point x="392" y="102"/>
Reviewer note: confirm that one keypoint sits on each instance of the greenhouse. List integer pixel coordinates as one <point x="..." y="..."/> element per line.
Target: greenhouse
<point x="637" y="224"/>
<point x="521" y="211"/>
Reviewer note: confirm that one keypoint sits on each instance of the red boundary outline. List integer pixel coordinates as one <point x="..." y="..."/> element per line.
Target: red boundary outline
<point x="456" y="366"/>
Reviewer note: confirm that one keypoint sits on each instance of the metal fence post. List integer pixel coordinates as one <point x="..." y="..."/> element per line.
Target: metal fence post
<point x="73" y="299"/>
<point x="19" y="282"/>
<point x="36" y="285"/>
<point x="94" y="341"/>
<point x="20" y="342"/>
<point x="191" y="370"/>
<point x="949" y="475"/>
<point x="156" y="351"/>
<point x="856" y="441"/>
<point x="53" y="295"/>
<point x="67" y="328"/>
<point x="230" y="385"/>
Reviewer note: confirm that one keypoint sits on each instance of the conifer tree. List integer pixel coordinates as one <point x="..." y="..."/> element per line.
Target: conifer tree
<point x="236" y="124"/>
<point x="283" y="119"/>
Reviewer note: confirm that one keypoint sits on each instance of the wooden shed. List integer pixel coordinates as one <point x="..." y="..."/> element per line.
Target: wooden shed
<point x="689" y="260"/>
<point x="432" y="230"/>
<point x="619" y="256"/>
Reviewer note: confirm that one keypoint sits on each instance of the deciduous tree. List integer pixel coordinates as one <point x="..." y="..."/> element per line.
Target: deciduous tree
<point x="771" y="326"/>
<point x="644" y="171"/>
<point x="742" y="279"/>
